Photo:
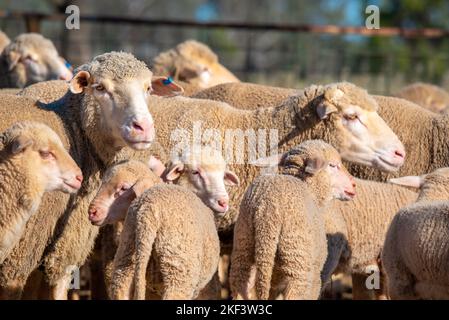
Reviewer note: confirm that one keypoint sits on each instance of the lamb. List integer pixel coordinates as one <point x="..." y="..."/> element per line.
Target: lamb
<point x="46" y="91"/>
<point x="281" y="229"/>
<point x="426" y="144"/>
<point x="32" y="161"/>
<point x="114" y="198"/>
<point x="31" y="58"/>
<point x="416" y="249"/>
<point x="327" y="112"/>
<point x="194" y="63"/>
<point x="97" y="134"/>
<point x="426" y="95"/>
<point x="4" y="40"/>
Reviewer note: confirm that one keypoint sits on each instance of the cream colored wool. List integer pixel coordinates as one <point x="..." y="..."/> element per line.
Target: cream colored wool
<point x="4" y="40"/>
<point x="416" y="248"/>
<point x="281" y="228"/>
<point x="46" y="91"/>
<point x="426" y="95"/>
<point x="75" y="118"/>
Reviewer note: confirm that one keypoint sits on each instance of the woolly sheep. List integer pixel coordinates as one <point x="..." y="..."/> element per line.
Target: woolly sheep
<point x="46" y="91"/>
<point x="31" y="58"/>
<point x="96" y="137"/>
<point x="426" y="144"/>
<point x="280" y="228"/>
<point x="416" y="251"/>
<point x="427" y="96"/>
<point x="114" y="198"/>
<point x="194" y="63"/>
<point x="32" y="161"/>
<point x="325" y="112"/>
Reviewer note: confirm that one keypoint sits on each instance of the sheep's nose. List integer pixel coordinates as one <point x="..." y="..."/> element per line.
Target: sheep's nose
<point x="79" y="177"/>
<point x="223" y="202"/>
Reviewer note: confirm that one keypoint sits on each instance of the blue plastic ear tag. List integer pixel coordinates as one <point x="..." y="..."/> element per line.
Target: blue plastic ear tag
<point x="67" y="64"/>
<point x="167" y="81"/>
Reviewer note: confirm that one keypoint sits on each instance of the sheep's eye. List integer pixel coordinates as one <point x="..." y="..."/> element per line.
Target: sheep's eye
<point x="124" y="188"/>
<point x="45" y="154"/>
<point x="351" y="117"/>
<point x="195" y="172"/>
<point x="332" y="165"/>
<point x="99" y="88"/>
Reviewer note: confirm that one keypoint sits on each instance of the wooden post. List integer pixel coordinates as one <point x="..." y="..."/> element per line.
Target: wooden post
<point x="33" y="23"/>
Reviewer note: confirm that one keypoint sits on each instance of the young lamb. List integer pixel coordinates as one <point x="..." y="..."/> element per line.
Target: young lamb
<point x="426" y="95"/>
<point x="32" y="161"/>
<point x="194" y="63"/>
<point x="97" y="133"/>
<point x="200" y="173"/>
<point x="281" y="230"/>
<point x="416" y="248"/>
<point x="341" y="114"/>
<point x="31" y="58"/>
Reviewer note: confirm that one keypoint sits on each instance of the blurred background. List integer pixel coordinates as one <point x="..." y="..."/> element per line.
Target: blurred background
<point x="282" y="58"/>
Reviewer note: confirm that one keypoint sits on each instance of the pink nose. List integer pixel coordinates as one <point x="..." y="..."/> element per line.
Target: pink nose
<point x="142" y="127"/>
<point x="223" y="202"/>
<point x="399" y="154"/>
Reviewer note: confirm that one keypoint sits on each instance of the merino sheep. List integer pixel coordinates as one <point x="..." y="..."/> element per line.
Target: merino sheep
<point x="46" y="91"/>
<point x="32" y="161"/>
<point x="191" y="172"/>
<point x="281" y="228"/>
<point x="4" y="40"/>
<point x="426" y="95"/>
<point x="194" y="63"/>
<point x="416" y="251"/>
<point x="426" y="144"/>
<point x="326" y="112"/>
<point x="31" y="58"/>
<point x="97" y="133"/>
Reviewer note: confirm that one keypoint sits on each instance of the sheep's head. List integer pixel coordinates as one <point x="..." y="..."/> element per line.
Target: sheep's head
<point x="121" y="184"/>
<point x="120" y="84"/>
<point x="355" y="128"/>
<point x="432" y="186"/>
<point x="32" y="58"/>
<point x="195" y="63"/>
<point x="38" y="151"/>
<point x="203" y="170"/>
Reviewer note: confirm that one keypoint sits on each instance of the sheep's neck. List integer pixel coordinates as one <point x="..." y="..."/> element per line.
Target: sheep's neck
<point x="20" y="196"/>
<point x="295" y="119"/>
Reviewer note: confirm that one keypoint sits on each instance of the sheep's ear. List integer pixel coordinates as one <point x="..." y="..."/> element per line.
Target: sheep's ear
<point x="163" y="86"/>
<point x="13" y="58"/>
<point x="270" y="161"/>
<point x="409" y="181"/>
<point x="313" y="165"/>
<point x="156" y="166"/>
<point x="324" y="109"/>
<point x="79" y="82"/>
<point x="20" y="144"/>
<point x="173" y="171"/>
<point x="231" y="179"/>
<point x="141" y="186"/>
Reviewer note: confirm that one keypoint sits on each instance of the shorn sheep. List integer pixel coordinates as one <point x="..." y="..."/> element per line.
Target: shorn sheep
<point x="426" y="145"/>
<point x="416" y="249"/>
<point x="101" y="120"/>
<point x="31" y="58"/>
<point x="426" y="95"/>
<point x="200" y="175"/>
<point x="193" y="63"/>
<point x="281" y="227"/>
<point x="33" y="161"/>
<point x="341" y="114"/>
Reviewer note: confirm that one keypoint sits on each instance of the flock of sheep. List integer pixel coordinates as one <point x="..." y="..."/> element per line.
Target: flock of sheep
<point x="92" y="176"/>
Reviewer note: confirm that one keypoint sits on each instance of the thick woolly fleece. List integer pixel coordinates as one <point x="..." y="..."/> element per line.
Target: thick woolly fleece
<point x="295" y="121"/>
<point x="46" y="91"/>
<point x="426" y="95"/>
<point x="426" y="145"/>
<point x="62" y="222"/>
<point x="281" y="229"/>
<point x="181" y="245"/>
<point x="416" y="248"/>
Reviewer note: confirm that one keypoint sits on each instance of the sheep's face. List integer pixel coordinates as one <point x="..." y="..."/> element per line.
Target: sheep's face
<point x="357" y="130"/>
<point x="122" y="104"/>
<point x="318" y="163"/>
<point x="206" y="175"/>
<point x="203" y="74"/>
<point x="36" y="60"/>
<point x="41" y="153"/>
<point x="120" y="186"/>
